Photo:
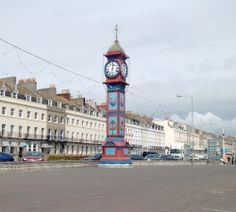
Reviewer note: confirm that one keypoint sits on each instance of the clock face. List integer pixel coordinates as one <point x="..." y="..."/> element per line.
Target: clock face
<point x="124" y="70"/>
<point x="112" y="69"/>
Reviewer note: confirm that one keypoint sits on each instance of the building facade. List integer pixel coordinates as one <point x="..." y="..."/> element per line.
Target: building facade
<point x="43" y="120"/>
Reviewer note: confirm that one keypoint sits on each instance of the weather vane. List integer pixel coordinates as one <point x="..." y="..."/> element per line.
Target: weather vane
<point x="116" y="29"/>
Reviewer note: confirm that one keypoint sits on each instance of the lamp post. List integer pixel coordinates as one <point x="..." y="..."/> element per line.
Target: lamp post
<point x="191" y="140"/>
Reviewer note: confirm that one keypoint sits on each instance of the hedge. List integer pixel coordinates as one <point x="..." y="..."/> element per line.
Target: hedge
<point x="64" y="157"/>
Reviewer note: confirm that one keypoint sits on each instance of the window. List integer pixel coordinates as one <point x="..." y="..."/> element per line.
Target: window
<point x="59" y="104"/>
<point x="72" y="135"/>
<point x="82" y="123"/>
<point x="62" y="120"/>
<point x="35" y="115"/>
<point x="42" y="132"/>
<point x="49" y="134"/>
<point x="77" y="122"/>
<point x="55" y="134"/>
<point x="56" y="119"/>
<point x="14" y="95"/>
<point x="12" y="111"/>
<point x="49" y="102"/>
<point x="3" y="129"/>
<point x="28" y="98"/>
<point x="91" y="124"/>
<point x="11" y="130"/>
<point x="28" y="131"/>
<point x="3" y="110"/>
<point x="39" y="100"/>
<point x="62" y="135"/>
<point x="2" y="92"/>
<point x="20" y="131"/>
<point x="67" y="120"/>
<point x="49" y="118"/>
<point x="35" y="132"/>
<point x="28" y="114"/>
<point x="42" y="116"/>
<point x="29" y="147"/>
<point x="34" y="147"/>
<point x="20" y="113"/>
<point x="72" y="121"/>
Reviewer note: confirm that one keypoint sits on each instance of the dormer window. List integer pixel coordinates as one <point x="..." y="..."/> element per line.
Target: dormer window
<point x="39" y="100"/>
<point x="28" y="98"/>
<point x="14" y="94"/>
<point x="59" y="104"/>
<point x="49" y="102"/>
<point x="3" y="92"/>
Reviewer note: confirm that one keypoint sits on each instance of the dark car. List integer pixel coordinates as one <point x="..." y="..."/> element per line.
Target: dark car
<point x="145" y="153"/>
<point x="6" y="157"/>
<point x="136" y="157"/>
<point x="96" y="157"/>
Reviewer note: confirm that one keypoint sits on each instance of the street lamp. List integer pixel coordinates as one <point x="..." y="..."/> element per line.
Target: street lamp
<point x="191" y="140"/>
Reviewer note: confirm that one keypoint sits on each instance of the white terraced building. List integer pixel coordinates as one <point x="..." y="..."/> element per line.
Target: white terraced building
<point x="34" y="119"/>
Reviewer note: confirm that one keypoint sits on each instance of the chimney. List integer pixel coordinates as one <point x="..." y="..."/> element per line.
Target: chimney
<point x="51" y="91"/>
<point x="30" y="84"/>
<point x="65" y="94"/>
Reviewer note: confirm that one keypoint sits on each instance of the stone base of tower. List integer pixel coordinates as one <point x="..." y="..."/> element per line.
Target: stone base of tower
<point x="115" y="155"/>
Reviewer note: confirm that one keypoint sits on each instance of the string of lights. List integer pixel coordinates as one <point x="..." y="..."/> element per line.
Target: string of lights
<point x="61" y="68"/>
<point x="49" y="62"/>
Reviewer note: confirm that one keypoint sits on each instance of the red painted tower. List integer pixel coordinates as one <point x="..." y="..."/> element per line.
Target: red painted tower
<point x="115" y="150"/>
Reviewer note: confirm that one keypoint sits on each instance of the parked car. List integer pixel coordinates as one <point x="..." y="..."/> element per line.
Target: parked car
<point x="6" y="157"/>
<point x="136" y="157"/>
<point x="151" y="157"/>
<point x="167" y="157"/>
<point x="95" y="157"/>
<point x="33" y="156"/>
<point x="145" y="153"/>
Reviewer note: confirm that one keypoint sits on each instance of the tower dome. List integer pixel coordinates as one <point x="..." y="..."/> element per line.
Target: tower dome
<point x="116" y="48"/>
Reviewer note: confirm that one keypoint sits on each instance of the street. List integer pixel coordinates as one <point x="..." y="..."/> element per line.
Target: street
<point x="152" y="188"/>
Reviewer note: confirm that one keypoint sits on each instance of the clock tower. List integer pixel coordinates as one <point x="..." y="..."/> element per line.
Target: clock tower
<point x="115" y="150"/>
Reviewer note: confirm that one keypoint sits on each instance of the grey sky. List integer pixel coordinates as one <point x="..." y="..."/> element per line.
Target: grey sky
<point x="176" y="47"/>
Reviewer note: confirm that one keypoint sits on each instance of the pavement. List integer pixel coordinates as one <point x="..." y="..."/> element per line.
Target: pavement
<point x="144" y="188"/>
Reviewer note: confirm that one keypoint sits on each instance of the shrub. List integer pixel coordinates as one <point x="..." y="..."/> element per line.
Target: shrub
<point x="63" y="157"/>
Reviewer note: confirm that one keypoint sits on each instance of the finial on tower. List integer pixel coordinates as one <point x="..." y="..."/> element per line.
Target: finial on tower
<point x="116" y="29"/>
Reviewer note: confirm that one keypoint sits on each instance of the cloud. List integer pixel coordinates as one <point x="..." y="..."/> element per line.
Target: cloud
<point x="210" y="122"/>
<point x="182" y="47"/>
